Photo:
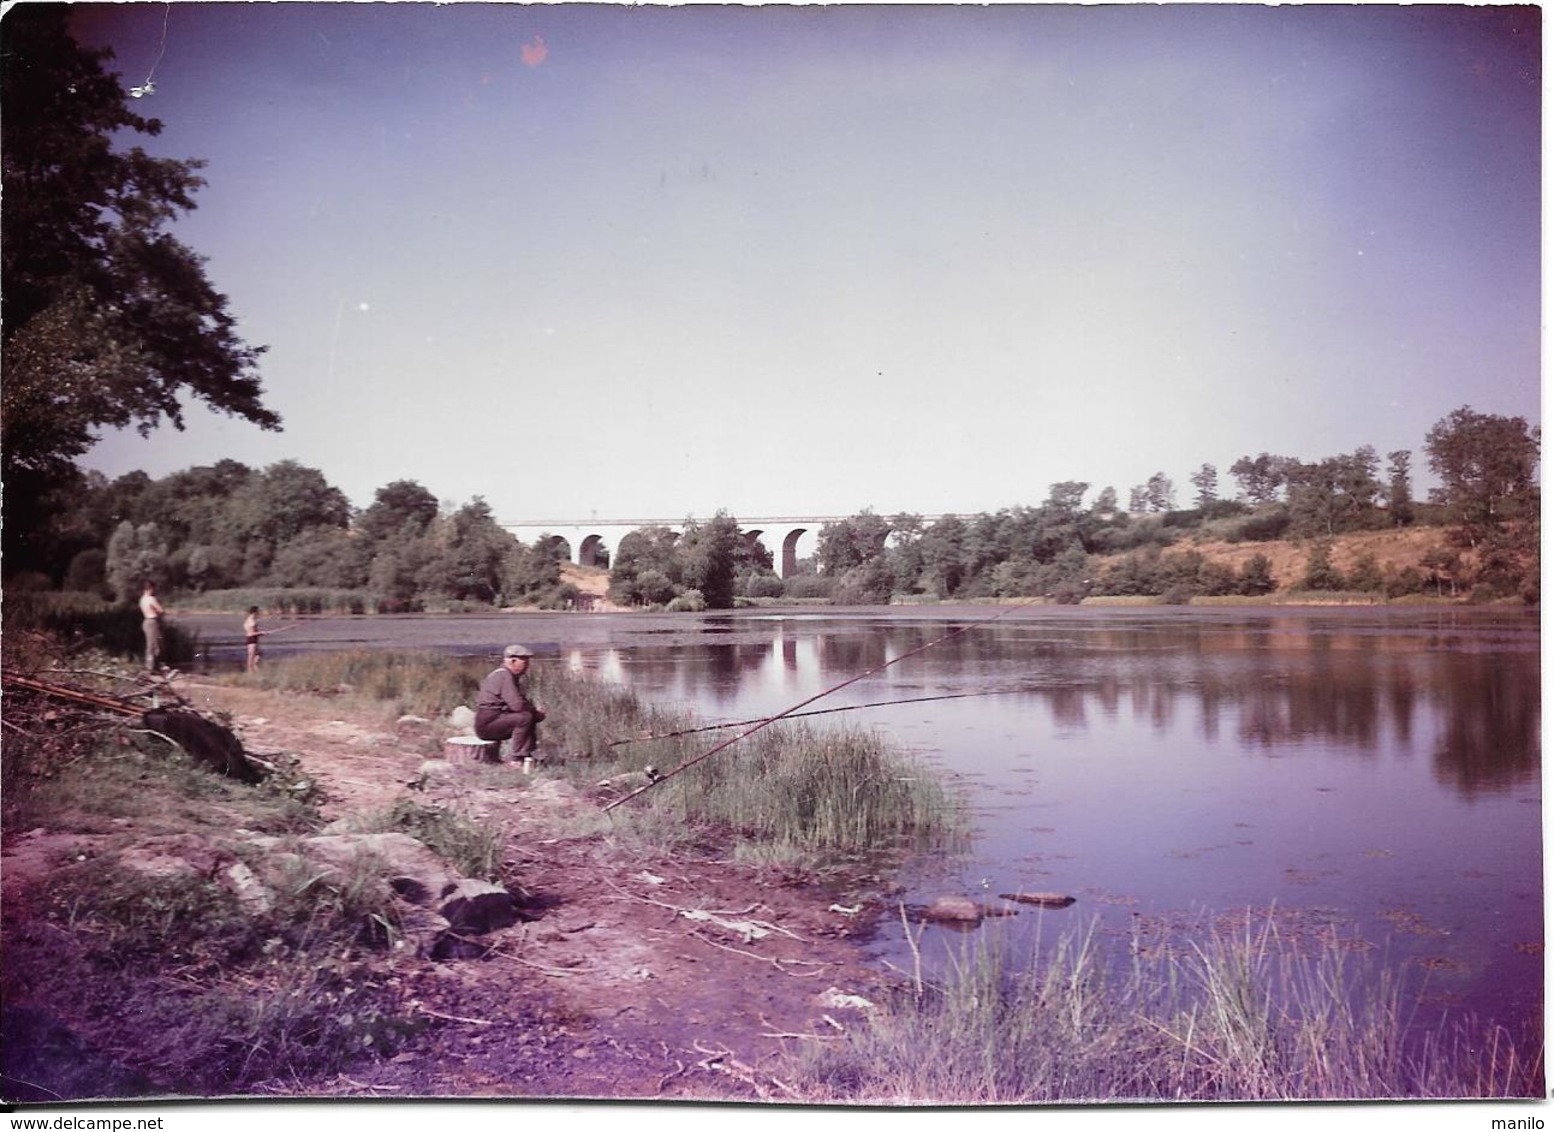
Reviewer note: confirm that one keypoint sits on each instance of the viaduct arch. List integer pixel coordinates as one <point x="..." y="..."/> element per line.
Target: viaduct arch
<point x="589" y="542"/>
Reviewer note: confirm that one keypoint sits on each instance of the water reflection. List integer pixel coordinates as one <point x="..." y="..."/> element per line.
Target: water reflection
<point x="1271" y="685"/>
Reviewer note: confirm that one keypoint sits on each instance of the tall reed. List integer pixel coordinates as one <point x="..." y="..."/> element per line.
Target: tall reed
<point x="1242" y="1016"/>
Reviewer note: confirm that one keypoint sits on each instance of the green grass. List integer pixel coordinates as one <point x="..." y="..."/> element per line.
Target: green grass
<point x="1225" y="1015"/>
<point x="474" y="848"/>
<point x="415" y="683"/>
<point x="219" y="998"/>
<point x="788" y="793"/>
<point x="90" y="779"/>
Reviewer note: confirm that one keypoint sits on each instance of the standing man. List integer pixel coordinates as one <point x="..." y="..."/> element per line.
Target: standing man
<point x="251" y="635"/>
<point x="151" y="613"/>
<point x="503" y="710"/>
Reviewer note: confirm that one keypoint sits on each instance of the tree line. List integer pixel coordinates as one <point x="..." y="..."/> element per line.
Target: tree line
<point x="228" y="526"/>
<point x="285" y="528"/>
<point x="1065" y="549"/>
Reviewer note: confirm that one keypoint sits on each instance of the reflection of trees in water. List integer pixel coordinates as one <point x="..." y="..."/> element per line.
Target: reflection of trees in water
<point x="1287" y="683"/>
<point x="843" y="655"/>
<point x="1492" y="711"/>
<point x="725" y="664"/>
<point x="1283" y="683"/>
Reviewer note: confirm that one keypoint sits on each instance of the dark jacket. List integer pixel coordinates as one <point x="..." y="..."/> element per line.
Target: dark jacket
<point x="501" y="693"/>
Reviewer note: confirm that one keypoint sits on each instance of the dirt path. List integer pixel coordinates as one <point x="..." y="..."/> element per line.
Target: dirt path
<point x="633" y="977"/>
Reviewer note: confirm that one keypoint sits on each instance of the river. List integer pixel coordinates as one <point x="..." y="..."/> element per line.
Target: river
<point x="1372" y="772"/>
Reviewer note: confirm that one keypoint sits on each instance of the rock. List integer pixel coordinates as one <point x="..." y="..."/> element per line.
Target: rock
<point x="833" y="998"/>
<point x="1039" y="899"/>
<point x="954" y="909"/>
<point x="423" y="928"/>
<point x="253" y="895"/>
<point x="462" y="720"/>
<point x="407" y="864"/>
<point x="178" y="854"/>
<point x="632" y="779"/>
<point x="553" y="791"/>
<point x="412" y="727"/>
<point x="430" y="773"/>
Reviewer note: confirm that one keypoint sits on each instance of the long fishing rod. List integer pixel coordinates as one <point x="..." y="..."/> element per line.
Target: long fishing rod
<point x="803" y="714"/>
<point x="769" y="720"/>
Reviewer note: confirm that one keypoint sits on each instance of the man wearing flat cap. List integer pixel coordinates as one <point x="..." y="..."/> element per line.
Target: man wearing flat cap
<point x="503" y="711"/>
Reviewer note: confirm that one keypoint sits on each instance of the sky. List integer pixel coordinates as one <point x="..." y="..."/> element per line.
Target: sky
<point x="654" y="262"/>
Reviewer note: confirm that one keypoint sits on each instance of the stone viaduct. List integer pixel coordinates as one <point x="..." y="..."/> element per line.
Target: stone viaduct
<point x="788" y="537"/>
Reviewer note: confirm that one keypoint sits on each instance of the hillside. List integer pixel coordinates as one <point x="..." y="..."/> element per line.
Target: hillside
<point x="1398" y="548"/>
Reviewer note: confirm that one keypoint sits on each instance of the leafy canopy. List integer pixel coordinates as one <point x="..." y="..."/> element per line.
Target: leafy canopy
<point x="108" y="321"/>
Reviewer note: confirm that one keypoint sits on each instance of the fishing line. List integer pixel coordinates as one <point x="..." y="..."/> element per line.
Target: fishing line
<point x="149" y="87"/>
<point x="821" y="711"/>
<point x="769" y="720"/>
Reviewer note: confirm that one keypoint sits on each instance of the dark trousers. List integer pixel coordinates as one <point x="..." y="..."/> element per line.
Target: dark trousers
<point x="519" y="726"/>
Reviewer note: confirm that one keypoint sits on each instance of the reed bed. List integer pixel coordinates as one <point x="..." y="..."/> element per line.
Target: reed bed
<point x="1240" y="1016"/>
<point x="787" y="794"/>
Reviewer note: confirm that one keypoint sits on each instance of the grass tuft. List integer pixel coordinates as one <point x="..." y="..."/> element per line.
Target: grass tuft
<point x="1240" y="1016"/>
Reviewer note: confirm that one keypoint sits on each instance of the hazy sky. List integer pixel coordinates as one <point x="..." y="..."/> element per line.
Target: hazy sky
<point x="651" y="261"/>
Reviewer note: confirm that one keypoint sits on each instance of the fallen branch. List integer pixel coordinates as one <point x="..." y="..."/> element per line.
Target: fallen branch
<point x="773" y="960"/>
<point x="454" y="1018"/>
<point x="724" y="1061"/>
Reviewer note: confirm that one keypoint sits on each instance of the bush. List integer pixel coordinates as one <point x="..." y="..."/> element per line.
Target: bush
<point x="1267" y="526"/>
<point x="869" y="584"/>
<point x="764" y="585"/>
<point x="691" y="601"/>
<point x="802" y="586"/>
<point x="1321" y="574"/>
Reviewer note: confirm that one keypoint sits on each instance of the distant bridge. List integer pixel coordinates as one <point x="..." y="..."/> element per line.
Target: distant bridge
<point x="592" y="542"/>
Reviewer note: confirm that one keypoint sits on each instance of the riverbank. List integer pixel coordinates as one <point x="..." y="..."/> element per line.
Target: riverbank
<point x="642" y="963"/>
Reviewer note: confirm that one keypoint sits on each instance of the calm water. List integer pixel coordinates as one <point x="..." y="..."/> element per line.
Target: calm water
<point x="1377" y="770"/>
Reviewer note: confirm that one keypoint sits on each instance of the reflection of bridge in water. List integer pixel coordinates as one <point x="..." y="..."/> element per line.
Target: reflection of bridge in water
<point x="593" y="542"/>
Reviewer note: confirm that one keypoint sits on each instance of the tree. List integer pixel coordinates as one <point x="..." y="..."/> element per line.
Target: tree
<point x="1206" y="480"/>
<point x="396" y="505"/>
<point x="1332" y="495"/>
<point x="711" y="553"/>
<point x="108" y="320"/>
<point x="1159" y="494"/>
<point x="942" y="553"/>
<point x="136" y="555"/>
<point x="1255" y="577"/>
<point x="1259" y="478"/>
<point x="1400" y="491"/>
<point x="851" y="542"/>
<point x="465" y="554"/>
<point x="1488" y="468"/>
<point x="1320" y="573"/>
<point x="640" y="551"/>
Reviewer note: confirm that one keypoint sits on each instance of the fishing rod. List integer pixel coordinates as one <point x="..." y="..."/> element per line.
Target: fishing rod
<point x="820" y="711"/>
<point x="769" y="720"/>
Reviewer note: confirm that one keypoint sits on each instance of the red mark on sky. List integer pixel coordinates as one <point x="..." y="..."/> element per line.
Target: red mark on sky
<point x="534" y="53"/>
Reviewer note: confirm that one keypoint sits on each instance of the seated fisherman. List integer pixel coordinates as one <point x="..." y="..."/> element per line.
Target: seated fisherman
<point x="503" y="710"/>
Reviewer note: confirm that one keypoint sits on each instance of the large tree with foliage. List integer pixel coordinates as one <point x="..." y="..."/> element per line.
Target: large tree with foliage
<point x="108" y="321"/>
<point x="1487" y="465"/>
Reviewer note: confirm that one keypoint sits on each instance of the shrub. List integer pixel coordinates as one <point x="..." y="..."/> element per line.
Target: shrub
<point x="810" y="586"/>
<point x="764" y="585"/>
<point x="1266" y="526"/>
<point x="1320" y="573"/>
<point x="691" y="601"/>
